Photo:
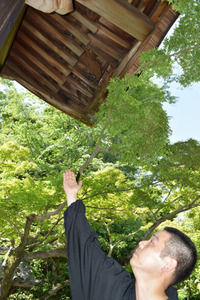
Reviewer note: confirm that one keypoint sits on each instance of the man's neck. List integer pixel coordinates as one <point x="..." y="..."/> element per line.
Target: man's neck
<point x="149" y="289"/>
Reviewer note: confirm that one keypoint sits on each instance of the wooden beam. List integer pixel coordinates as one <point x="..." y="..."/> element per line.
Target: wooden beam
<point x="53" y="46"/>
<point x="75" y="31"/>
<point x="56" y="34"/>
<point x="9" y="12"/>
<point x="126" y="60"/>
<point x="123" y="15"/>
<point x="32" y="44"/>
<point x="24" y="70"/>
<point x="81" y="19"/>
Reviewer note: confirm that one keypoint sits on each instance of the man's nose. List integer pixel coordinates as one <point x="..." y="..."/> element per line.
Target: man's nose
<point x="142" y="244"/>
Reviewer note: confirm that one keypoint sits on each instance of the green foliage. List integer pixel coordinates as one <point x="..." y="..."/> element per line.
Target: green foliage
<point x="136" y="179"/>
<point x="181" y="165"/>
<point x="156" y="63"/>
<point x="178" y="60"/>
<point x="137" y="126"/>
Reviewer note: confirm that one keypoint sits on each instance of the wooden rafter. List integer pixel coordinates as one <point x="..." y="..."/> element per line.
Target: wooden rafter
<point x="68" y="60"/>
<point x="123" y="15"/>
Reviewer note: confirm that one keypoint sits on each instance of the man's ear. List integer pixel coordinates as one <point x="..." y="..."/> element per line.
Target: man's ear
<point x="169" y="264"/>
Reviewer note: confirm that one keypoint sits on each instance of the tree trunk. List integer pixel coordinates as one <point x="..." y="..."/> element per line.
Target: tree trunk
<point x="14" y="260"/>
<point x="7" y="281"/>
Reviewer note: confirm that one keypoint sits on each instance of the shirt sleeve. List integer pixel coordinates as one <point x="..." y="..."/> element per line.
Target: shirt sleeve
<point x="172" y="293"/>
<point x="93" y="275"/>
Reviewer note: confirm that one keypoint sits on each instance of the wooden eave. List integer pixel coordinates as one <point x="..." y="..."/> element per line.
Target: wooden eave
<point x="11" y="14"/>
<point x="68" y="60"/>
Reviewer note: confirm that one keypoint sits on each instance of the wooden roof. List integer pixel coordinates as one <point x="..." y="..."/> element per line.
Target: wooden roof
<point x="67" y="60"/>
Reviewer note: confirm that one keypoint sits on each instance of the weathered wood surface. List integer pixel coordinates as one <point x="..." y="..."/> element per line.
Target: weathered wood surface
<point x="9" y="11"/>
<point x="68" y="60"/>
<point x="123" y="15"/>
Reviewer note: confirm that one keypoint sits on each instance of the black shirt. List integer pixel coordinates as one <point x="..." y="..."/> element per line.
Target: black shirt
<point x="93" y="275"/>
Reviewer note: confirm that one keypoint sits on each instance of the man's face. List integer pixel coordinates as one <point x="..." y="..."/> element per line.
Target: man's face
<point x="146" y="257"/>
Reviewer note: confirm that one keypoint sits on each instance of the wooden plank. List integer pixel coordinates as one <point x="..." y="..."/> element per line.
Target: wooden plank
<point x="101" y="91"/>
<point x="140" y="4"/>
<point x="151" y="7"/>
<point x="49" y="44"/>
<point x="36" y="47"/>
<point x="56" y="34"/>
<point x="4" y="49"/>
<point x="77" y="32"/>
<point x="120" y="33"/>
<point x="19" y="74"/>
<point x="65" y="102"/>
<point x="113" y="36"/>
<point x="163" y="6"/>
<point x="106" y="57"/>
<point x="79" y="87"/>
<point x="9" y="12"/>
<point x="62" y="102"/>
<point x="119" y="70"/>
<point x="100" y="43"/>
<point x="91" y="66"/>
<point x="88" y="24"/>
<point x="78" y="72"/>
<point x="123" y="15"/>
<point x="22" y="67"/>
<point x="59" y="78"/>
<point x="71" y="90"/>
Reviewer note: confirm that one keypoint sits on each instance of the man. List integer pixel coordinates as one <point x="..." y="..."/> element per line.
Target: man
<point x="167" y="258"/>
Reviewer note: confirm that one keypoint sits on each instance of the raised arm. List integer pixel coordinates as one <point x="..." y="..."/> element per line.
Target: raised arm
<point x="71" y="187"/>
<point x="93" y="275"/>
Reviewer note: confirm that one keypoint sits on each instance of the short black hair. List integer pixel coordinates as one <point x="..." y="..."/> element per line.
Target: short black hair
<point x="182" y="249"/>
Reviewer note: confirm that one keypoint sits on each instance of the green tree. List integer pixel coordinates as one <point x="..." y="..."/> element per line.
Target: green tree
<point x="137" y="199"/>
<point x="134" y="180"/>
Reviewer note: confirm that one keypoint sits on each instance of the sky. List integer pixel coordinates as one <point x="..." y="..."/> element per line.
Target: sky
<point x="185" y="113"/>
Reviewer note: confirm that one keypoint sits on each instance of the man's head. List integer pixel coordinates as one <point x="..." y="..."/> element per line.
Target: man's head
<point x="182" y="249"/>
<point x="169" y="254"/>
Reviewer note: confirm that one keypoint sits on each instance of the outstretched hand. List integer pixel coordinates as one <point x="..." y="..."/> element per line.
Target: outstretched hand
<point x="71" y="187"/>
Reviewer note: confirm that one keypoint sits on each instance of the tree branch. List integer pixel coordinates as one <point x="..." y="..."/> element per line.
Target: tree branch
<point x="165" y="57"/>
<point x="173" y="201"/>
<point x="15" y="260"/>
<point x="59" y="252"/>
<point x="107" y="208"/>
<point x="50" y="214"/>
<point x="171" y="215"/>
<point x="111" y="192"/>
<point x="24" y="239"/>
<point x="55" y="289"/>
<point x="126" y="237"/>
<point x="20" y="284"/>
<point x="31" y="246"/>
<point x="6" y="256"/>
<point x="96" y="149"/>
<point x="62" y="205"/>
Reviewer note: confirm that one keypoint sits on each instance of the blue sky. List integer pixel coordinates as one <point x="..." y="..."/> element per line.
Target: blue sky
<point x="185" y="113"/>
